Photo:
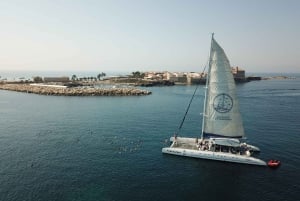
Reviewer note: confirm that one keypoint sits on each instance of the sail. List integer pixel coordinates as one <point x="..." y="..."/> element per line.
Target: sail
<point x="222" y="117"/>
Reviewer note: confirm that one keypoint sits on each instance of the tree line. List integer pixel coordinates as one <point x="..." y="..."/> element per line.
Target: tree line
<point x="99" y="76"/>
<point x="74" y="77"/>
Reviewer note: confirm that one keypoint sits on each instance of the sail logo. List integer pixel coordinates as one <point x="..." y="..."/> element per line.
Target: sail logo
<point x="223" y="103"/>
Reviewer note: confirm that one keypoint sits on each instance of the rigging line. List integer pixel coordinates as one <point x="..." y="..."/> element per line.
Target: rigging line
<point x="187" y="109"/>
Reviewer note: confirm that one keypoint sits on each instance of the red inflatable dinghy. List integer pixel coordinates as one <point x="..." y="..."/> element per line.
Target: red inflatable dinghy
<point x="273" y="163"/>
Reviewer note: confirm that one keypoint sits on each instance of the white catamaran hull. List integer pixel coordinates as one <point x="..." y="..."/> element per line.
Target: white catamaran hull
<point x="228" y="157"/>
<point x="189" y="147"/>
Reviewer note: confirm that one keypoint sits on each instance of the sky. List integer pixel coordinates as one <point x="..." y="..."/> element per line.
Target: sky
<point x="154" y="35"/>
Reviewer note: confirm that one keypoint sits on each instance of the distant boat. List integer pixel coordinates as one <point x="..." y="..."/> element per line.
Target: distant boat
<point x="222" y="126"/>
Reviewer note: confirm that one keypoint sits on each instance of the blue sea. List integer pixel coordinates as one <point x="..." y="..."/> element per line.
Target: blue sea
<point x="109" y="148"/>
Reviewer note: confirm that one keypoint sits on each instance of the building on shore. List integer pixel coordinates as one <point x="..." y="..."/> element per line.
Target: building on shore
<point x="154" y="76"/>
<point x="56" y="79"/>
<point x="200" y="78"/>
<point x="238" y="74"/>
<point x="176" y="77"/>
<point x="196" y="78"/>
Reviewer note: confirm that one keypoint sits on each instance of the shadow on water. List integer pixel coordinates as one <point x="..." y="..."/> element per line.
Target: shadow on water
<point x="210" y="180"/>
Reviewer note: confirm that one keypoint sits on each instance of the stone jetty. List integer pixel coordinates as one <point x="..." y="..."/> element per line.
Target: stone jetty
<point x="78" y="91"/>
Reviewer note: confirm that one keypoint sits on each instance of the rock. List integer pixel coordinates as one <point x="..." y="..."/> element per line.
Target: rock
<point x="46" y="90"/>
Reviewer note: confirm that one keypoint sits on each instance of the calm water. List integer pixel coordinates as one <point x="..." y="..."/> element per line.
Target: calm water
<point x="109" y="148"/>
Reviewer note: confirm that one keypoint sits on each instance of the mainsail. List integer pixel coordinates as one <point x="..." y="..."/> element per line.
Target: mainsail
<point x="221" y="116"/>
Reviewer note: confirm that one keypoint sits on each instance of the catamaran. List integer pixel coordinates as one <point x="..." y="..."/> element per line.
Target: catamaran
<point x="222" y="126"/>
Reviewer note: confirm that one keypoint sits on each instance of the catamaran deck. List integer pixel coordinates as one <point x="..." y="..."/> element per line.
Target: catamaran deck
<point x="185" y="145"/>
<point x="231" y="146"/>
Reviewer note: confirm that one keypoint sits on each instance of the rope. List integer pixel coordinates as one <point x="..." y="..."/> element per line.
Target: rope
<point x="188" y="107"/>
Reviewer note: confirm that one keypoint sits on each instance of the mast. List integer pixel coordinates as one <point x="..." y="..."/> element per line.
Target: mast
<point x="206" y="86"/>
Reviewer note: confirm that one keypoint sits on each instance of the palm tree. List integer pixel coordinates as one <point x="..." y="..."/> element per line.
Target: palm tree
<point x="101" y="75"/>
<point x="74" y="78"/>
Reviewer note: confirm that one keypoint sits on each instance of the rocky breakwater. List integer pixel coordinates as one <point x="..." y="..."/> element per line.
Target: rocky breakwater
<point x="80" y="91"/>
